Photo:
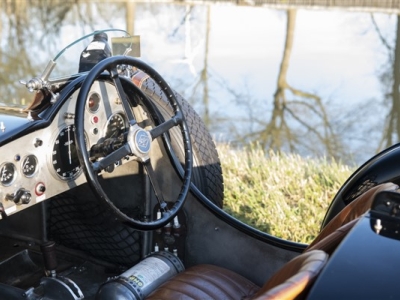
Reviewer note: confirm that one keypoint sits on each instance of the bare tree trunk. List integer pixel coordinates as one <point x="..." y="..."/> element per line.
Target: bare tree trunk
<point x="396" y="80"/>
<point x="291" y="23"/>
<point x="203" y="76"/>
<point x="392" y="127"/>
<point x="204" y="73"/>
<point x="277" y="119"/>
<point x="188" y="32"/>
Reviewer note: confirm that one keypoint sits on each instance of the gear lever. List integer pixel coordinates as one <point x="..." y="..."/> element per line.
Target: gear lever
<point x="49" y="256"/>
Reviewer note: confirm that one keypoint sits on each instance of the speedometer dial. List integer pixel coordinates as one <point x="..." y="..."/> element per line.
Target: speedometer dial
<point x="115" y="126"/>
<point x="64" y="157"/>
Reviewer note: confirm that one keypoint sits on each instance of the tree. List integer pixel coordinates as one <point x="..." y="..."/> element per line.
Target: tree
<point x="390" y="79"/>
<point x="298" y="118"/>
<point x="26" y="22"/>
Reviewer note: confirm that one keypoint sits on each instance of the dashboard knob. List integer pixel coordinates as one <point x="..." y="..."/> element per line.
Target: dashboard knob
<point x="21" y="196"/>
<point x="40" y="189"/>
<point x="26" y="197"/>
<point x="38" y="143"/>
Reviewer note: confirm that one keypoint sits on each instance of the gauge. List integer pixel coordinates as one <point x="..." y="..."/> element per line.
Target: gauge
<point x="29" y="165"/>
<point x="93" y="102"/>
<point x="64" y="157"/>
<point x="115" y="126"/>
<point x="7" y="173"/>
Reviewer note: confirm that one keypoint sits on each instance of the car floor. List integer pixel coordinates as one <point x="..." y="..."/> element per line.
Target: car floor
<point x="22" y="266"/>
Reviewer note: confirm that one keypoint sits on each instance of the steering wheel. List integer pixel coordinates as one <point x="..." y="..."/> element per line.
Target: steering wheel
<point x="137" y="143"/>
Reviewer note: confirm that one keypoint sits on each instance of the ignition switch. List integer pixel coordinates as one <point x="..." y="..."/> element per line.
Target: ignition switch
<point x="22" y="196"/>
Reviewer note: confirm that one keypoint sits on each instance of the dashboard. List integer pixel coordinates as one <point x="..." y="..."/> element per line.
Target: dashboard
<point x="44" y="163"/>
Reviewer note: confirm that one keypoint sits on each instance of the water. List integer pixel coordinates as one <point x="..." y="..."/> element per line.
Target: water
<point x="225" y="60"/>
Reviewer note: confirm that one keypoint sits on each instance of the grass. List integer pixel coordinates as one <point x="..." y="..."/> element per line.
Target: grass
<point x="282" y="194"/>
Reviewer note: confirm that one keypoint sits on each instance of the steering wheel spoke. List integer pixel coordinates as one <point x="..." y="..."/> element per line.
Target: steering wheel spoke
<point x="164" y="127"/>
<point x="122" y="96"/>
<point x="156" y="187"/>
<point x="112" y="158"/>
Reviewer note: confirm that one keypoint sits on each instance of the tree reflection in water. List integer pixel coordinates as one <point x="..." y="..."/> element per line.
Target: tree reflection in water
<point x="292" y="118"/>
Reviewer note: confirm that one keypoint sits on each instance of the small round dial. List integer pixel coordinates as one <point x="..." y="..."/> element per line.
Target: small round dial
<point x="29" y="165"/>
<point x="7" y="173"/>
<point x="115" y="126"/>
<point x="64" y="157"/>
<point x="93" y="102"/>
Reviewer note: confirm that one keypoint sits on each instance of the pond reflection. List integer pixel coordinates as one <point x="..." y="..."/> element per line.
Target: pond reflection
<point x="318" y="82"/>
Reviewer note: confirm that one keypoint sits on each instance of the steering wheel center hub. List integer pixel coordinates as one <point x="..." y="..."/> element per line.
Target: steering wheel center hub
<point x="142" y="141"/>
<point x="139" y="141"/>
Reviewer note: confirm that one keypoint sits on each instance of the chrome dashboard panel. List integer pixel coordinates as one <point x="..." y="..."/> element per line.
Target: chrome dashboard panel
<point x="31" y="165"/>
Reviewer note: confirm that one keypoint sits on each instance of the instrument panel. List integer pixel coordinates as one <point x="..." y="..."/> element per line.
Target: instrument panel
<point x="44" y="163"/>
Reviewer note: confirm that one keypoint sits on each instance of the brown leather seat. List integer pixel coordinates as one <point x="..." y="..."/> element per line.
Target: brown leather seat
<point x="333" y="233"/>
<point x="212" y="282"/>
<point x="294" y="279"/>
<point x="330" y="242"/>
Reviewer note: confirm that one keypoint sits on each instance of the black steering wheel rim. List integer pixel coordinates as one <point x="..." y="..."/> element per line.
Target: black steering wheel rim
<point x="110" y="64"/>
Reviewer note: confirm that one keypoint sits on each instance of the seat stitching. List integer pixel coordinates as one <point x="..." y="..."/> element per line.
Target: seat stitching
<point x="232" y="282"/>
<point x="176" y="291"/>
<point x="199" y="287"/>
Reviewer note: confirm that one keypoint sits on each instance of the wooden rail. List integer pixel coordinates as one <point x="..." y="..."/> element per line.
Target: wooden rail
<point x="389" y="6"/>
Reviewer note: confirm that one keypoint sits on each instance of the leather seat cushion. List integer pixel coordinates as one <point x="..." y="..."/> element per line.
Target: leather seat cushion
<point x="205" y="282"/>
